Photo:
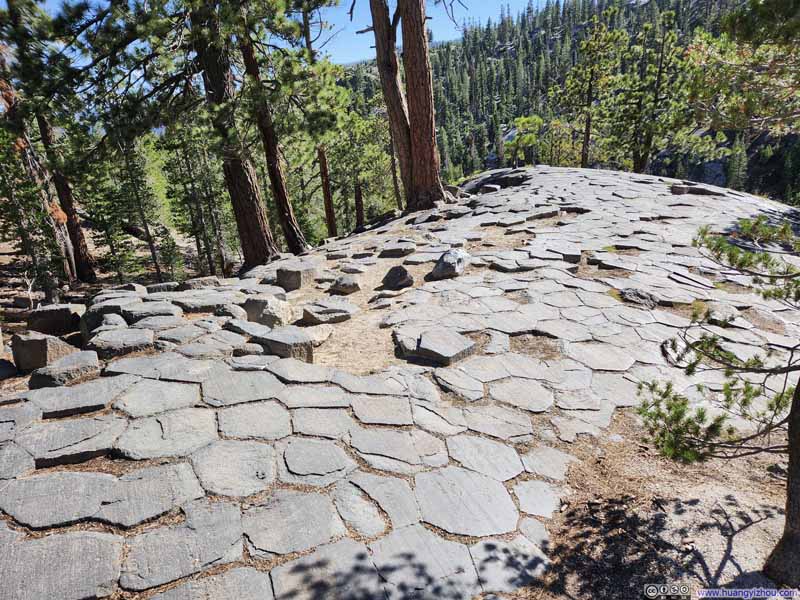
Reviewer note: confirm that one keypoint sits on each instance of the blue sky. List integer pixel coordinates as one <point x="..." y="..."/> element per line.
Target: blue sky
<point x="346" y="46"/>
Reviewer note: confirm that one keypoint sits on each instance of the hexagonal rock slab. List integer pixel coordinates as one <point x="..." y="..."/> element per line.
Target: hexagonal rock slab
<point x="35" y="350"/>
<point x="342" y="570"/>
<point x="417" y="563"/>
<point x="601" y="357"/>
<point x="244" y="583"/>
<point x="125" y="501"/>
<point x="382" y="410"/>
<point x="314" y="462"/>
<point x="148" y="397"/>
<point x="288" y="342"/>
<point x="507" y="566"/>
<point x="227" y="387"/>
<point x="176" y="433"/>
<point x="329" y="310"/>
<point x="548" y="462"/>
<point x="526" y="394"/>
<point x="333" y="423"/>
<point x="393" y="495"/>
<point x="258" y="421"/>
<point x="443" y="346"/>
<point x="488" y="457"/>
<point x="357" y="511"/>
<point x="88" y="397"/>
<point x="69" y="566"/>
<point x="537" y="498"/>
<point x="117" y="342"/>
<point x="404" y="452"/>
<point x="463" y="502"/>
<point x="14" y="419"/>
<point x="71" y="368"/>
<point x="211" y="535"/>
<point x="290" y="522"/>
<point x="72" y="441"/>
<point x="229" y="468"/>
<point x="14" y="461"/>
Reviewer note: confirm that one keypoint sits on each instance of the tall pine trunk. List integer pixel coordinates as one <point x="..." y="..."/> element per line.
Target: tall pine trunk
<point x="84" y="262"/>
<point x="587" y="128"/>
<point x="151" y="245"/>
<point x="358" y="197"/>
<point x="426" y="185"/>
<point x="783" y="565"/>
<point x="295" y="240"/>
<point x="324" y="173"/>
<point x="322" y="156"/>
<point x="398" y="198"/>
<point x="391" y="84"/>
<point x="255" y="235"/>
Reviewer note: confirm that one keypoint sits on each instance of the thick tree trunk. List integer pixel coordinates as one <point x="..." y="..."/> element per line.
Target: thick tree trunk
<point x="295" y="240"/>
<point x="84" y="262"/>
<point x="358" y="196"/>
<point x="327" y="196"/>
<point x="389" y="71"/>
<point x="783" y="565"/>
<point x="258" y="245"/>
<point x="426" y="185"/>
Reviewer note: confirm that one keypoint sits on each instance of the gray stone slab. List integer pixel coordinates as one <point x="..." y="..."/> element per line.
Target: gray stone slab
<point x="148" y="397"/>
<point x="443" y="346"/>
<point x="329" y="310"/>
<point x="168" y="366"/>
<point x="125" y="501"/>
<point x="71" y="441"/>
<point x="360" y="513"/>
<point x="314" y="462"/>
<point x="83" y="398"/>
<point x="68" y="566"/>
<point x="172" y="434"/>
<point x="491" y="458"/>
<point x="258" y="421"/>
<point x="15" y="418"/>
<point x="292" y="370"/>
<point x="330" y="423"/>
<point x="463" y="502"/>
<point x="311" y="396"/>
<point x="526" y="394"/>
<point x="547" y="462"/>
<point x="243" y="583"/>
<point x="14" y="461"/>
<point x="33" y="350"/>
<point x="288" y="342"/>
<point x="537" y="498"/>
<point x="404" y="452"/>
<point x="71" y="368"/>
<point x="601" y="357"/>
<point x="211" y="535"/>
<point x="290" y="521"/>
<point x="227" y="387"/>
<point x="506" y="566"/>
<point x="536" y="532"/>
<point x="231" y="468"/>
<point x="382" y="410"/>
<point x="119" y="342"/>
<point x="393" y="495"/>
<point x="498" y="422"/>
<point x="459" y="383"/>
<point x="340" y="570"/>
<point x="417" y="563"/>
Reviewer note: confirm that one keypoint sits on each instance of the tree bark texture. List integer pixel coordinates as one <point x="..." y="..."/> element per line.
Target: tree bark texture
<point x="391" y="84"/>
<point x="258" y="244"/>
<point x="426" y="185"/>
<point x="783" y="565"/>
<point x="295" y="240"/>
<point x="84" y="261"/>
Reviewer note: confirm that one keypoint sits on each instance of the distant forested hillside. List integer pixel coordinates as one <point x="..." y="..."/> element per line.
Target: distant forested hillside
<point x="517" y="66"/>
